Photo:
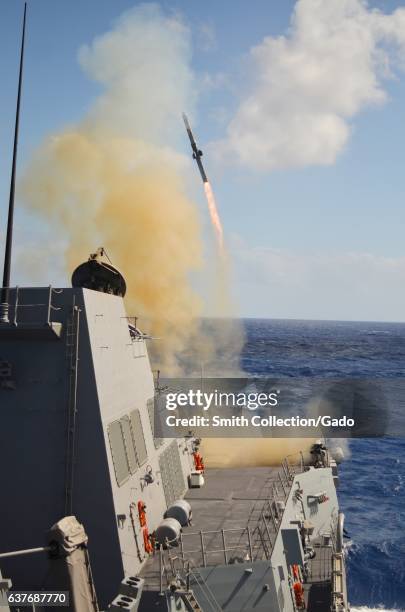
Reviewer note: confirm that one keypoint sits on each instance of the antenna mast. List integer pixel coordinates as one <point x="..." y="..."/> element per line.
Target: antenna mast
<point x="5" y="292"/>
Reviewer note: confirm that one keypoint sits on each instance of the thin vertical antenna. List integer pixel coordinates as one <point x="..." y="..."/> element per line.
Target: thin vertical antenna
<point x="5" y="294"/>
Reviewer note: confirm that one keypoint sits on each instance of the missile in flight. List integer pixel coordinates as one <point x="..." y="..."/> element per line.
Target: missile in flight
<point x="197" y="153"/>
<point x="212" y="207"/>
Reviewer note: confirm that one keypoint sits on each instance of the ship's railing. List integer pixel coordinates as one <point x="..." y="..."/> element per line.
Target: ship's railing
<point x="217" y="546"/>
<point x="339" y="587"/>
<point x="194" y="574"/>
<point x="252" y="542"/>
<point x="337" y="569"/>
<point x="32" y="305"/>
<point x="334" y="527"/>
<point x="266" y="515"/>
<point x="208" y="548"/>
<point x="330" y="564"/>
<point x="294" y="463"/>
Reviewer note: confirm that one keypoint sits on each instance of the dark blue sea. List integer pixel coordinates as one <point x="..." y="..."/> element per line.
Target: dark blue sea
<point x="372" y="489"/>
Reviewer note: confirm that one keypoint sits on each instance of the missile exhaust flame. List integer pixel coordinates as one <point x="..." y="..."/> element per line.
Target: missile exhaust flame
<point x="215" y="219"/>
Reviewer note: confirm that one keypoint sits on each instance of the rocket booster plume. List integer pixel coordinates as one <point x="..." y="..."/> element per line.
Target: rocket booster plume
<point x="213" y="210"/>
<point x="212" y="206"/>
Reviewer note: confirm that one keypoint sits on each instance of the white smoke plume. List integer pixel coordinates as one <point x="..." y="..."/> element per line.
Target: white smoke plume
<point x="308" y="85"/>
<point x="143" y="64"/>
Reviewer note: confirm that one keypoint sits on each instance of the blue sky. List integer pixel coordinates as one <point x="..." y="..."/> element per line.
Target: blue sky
<point x="307" y="240"/>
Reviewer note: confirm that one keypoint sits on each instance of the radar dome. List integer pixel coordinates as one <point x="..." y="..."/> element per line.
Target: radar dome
<point x="99" y="274"/>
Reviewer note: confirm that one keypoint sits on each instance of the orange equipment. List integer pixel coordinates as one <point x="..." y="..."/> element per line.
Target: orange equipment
<point x="198" y="462"/>
<point x="298" y="588"/>
<point x="146" y="541"/>
<point x="142" y="513"/>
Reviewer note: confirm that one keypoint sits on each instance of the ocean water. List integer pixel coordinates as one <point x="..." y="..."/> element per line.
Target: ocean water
<point x="372" y="478"/>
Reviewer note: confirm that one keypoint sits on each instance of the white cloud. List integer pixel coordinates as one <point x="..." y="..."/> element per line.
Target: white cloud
<point x="309" y="84"/>
<point x="285" y="284"/>
<point x="144" y="65"/>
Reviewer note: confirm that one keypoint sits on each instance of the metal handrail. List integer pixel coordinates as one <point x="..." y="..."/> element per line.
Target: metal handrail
<point x="186" y="577"/>
<point x="206" y="552"/>
<point x="26" y="551"/>
<point x="191" y="533"/>
<point x="286" y="477"/>
<point x="18" y="306"/>
<point x="204" y="586"/>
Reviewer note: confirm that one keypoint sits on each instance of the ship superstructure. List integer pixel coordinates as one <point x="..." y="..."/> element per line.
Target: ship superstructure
<point x="77" y="399"/>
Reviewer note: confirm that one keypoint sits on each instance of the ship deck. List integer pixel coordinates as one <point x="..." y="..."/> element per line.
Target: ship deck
<point x="230" y="500"/>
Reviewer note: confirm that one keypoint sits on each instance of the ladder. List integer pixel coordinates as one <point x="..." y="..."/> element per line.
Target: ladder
<point x="182" y="574"/>
<point x="72" y="355"/>
<point x="191" y="602"/>
<point x="205" y="589"/>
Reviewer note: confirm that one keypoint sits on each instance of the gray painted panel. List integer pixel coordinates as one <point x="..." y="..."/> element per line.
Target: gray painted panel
<point x="172" y="473"/>
<point x="118" y="453"/>
<point x="151" y="405"/>
<point x="166" y="476"/>
<point x="138" y="437"/>
<point x="177" y="473"/>
<point x="237" y="588"/>
<point x="129" y="444"/>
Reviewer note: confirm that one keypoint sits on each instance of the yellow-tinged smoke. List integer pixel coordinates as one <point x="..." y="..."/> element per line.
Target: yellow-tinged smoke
<point x="250" y="452"/>
<point x="113" y="179"/>
<point x="127" y="196"/>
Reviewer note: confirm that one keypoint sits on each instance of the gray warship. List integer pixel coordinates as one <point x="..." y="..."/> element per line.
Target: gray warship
<point x="99" y="510"/>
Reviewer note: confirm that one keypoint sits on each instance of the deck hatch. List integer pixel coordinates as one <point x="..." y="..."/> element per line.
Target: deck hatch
<point x="138" y="437"/>
<point x="118" y="452"/>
